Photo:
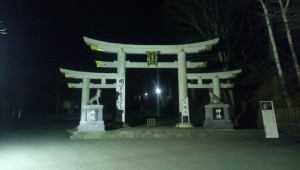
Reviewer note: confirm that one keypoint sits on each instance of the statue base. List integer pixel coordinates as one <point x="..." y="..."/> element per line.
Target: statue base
<point x="91" y="118"/>
<point x="217" y="117"/>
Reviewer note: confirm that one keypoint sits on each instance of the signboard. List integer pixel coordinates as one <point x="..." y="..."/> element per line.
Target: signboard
<point x="218" y="113"/>
<point x="92" y="115"/>
<point x="185" y="110"/>
<point x="152" y="57"/>
<point x="185" y="106"/>
<point x="120" y="89"/>
<point x="269" y="119"/>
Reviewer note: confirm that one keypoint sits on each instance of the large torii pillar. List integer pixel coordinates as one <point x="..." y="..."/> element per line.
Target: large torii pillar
<point x="216" y="86"/>
<point x="121" y="71"/>
<point x="182" y="83"/>
<point x="182" y="90"/>
<point x="85" y="96"/>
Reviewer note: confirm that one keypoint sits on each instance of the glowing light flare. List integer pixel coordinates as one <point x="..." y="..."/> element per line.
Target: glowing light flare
<point x="158" y="90"/>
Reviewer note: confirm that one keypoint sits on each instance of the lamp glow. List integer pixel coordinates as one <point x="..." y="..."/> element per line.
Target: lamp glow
<point x="157" y="90"/>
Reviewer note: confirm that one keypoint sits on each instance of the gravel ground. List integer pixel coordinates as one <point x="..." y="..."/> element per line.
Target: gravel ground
<point x="46" y="146"/>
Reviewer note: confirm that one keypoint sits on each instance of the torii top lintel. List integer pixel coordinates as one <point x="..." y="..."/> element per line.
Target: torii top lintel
<point x="141" y="49"/>
<point x="91" y="75"/>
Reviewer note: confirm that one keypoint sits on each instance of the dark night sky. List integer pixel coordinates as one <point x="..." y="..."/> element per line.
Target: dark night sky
<point x="46" y="35"/>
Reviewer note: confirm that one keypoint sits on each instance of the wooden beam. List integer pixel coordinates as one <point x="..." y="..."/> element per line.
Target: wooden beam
<point x="93" y="86"/>
<point x="129" y="64"/>
<point x="141" y="49"/>
<point x="91" y="75"/>
<point x="208" y="86"/>
<point x="220" y="75"/>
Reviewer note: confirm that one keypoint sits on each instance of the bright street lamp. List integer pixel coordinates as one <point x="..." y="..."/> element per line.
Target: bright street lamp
<point x="157" y="90"/>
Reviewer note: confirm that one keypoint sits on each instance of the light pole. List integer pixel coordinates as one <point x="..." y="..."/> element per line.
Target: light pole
<point x="158" y="92"/>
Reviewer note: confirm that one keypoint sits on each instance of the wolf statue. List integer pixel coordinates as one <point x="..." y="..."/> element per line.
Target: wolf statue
<point x="96" y="97"/>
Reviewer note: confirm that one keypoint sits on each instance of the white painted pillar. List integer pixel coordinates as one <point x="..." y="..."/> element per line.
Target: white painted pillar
<point x="182" y="82"/>
<point x="121" y="74"/>
<point x="121" y="64"/>
<point x="103" y="81"/>
<point x="182" y="91"/>
<point x="216" y="86"/>
<point x="85" y="91"/>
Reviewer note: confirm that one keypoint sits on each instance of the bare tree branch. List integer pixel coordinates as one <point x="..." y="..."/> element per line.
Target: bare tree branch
<point x="2" y="30"/>
<point x="275" y="54"/>
<point x="289" y="37"/>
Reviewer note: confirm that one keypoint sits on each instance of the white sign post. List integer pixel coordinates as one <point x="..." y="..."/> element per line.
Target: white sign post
<point x="120" y="89"/>
<point x="269" y="119"/>
<point x="185" y="110"/>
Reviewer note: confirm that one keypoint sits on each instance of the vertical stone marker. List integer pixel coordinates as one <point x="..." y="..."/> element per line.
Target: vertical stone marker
<point x="120" y="89"/>
<point x="185" y="118"/>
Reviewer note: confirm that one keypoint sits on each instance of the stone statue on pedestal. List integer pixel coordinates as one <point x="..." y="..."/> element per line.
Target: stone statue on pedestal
<point x="96" y="97"/>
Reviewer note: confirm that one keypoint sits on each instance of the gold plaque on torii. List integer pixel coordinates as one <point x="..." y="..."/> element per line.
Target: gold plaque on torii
<point x="152" y="57"/>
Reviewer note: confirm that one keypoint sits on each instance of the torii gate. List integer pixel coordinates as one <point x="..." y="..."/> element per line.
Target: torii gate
<point x="152" y="50"/>
<point x="215" y="79"/>
<point x="121" y="64"/>
<point x="213" y="116"/>
<point x="86" y="85"/>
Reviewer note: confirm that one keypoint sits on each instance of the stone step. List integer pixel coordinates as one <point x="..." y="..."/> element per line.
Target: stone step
<point x="165" y="133"/>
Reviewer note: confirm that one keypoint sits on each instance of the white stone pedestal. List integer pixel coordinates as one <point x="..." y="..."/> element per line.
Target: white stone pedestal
<point x="91" y="118"/>
<point x="184" y="118"/>
<point x="217" y="117"/>
<point x="184" y="122"/>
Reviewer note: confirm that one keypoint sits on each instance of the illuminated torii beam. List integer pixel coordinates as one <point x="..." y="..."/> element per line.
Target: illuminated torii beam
<point x="140" y="49"/>
<point x="91" y="75"/>
<point x="221" y="75"/>
<point x="210" y="85"/>
<point x="129" y="64"/>
<point x="93" y="86"/>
